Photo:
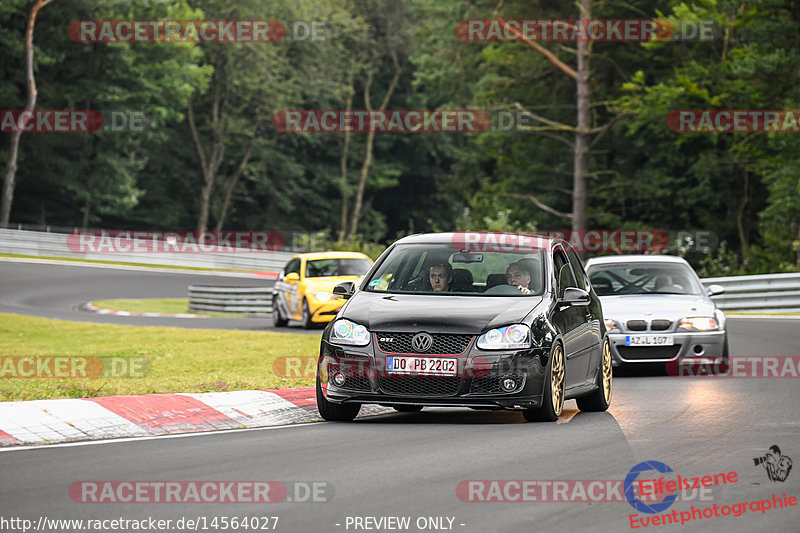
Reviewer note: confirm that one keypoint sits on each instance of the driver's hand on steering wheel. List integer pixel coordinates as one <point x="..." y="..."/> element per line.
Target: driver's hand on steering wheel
<point x="524" y="290"/>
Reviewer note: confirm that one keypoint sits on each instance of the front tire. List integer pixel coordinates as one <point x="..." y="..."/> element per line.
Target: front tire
<point x="306" y="318"/>
<point x="600" y="399"/>
<point x="277" y="319"/>
<point x="335" y="412"/>
<point x="553" y="396"/>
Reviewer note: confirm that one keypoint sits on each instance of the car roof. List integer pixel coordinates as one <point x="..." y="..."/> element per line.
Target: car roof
<point x="447" y="238"/>
<point x="332" y="255"/>
<point x="637" y="258"/>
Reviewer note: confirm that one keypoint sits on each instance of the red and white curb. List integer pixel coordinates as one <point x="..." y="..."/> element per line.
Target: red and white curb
<point x="91" y="308"/>
<point x="51" y="421"/>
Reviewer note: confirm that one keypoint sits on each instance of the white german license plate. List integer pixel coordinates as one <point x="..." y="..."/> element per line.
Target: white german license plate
<point x="648" y="340"/>
<point x="430" y="366"/>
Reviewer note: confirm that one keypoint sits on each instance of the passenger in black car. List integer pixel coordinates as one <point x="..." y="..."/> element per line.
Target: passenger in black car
<point x="520" y="274"/>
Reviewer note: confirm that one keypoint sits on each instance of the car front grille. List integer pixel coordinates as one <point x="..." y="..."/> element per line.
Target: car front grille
<point x="655" y="325"/>
<point x="649" y="352"/>
<point x="637" y="325"/>
<point x="420" y="386"/>
<point x="442" y="343"/>
<point x="356" y="384"/>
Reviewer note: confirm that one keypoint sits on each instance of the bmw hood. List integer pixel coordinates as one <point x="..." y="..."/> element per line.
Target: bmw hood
<point x="436" y="314"/>
<point x="656" y="306"/>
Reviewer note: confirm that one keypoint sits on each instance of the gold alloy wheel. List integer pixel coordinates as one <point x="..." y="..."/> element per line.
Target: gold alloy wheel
<point x="607" y="372"/>
<point x="557" y="381"/>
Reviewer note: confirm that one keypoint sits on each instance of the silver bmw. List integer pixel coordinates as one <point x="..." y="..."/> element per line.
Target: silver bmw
<point x="657" y="311"/>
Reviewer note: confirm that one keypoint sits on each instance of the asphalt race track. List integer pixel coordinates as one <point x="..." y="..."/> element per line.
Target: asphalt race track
<point x="409" y="465"/>
<point x="57" y="291"/>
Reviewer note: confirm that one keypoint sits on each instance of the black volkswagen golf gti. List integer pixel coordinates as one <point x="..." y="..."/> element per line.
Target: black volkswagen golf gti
<point x="480" y="320"/>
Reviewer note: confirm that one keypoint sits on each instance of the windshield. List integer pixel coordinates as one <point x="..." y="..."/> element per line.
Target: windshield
<point x="439" y="269"/>
<point x="643" y="278"/>
<point x="337" y="267"/>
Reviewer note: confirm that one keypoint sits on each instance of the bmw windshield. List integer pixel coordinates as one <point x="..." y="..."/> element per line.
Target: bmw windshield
<point x="642" y="278"/>
<point x="439" y="269"/>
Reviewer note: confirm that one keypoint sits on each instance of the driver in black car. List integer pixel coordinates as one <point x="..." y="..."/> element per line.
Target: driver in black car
<point x="519" y="274"/>
<point x="441" y="277"/>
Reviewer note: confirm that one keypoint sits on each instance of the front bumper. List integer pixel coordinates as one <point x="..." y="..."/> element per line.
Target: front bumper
<point x="477" y="383"/>
<point x="322" y="312"/>
<point x="708" y="346"/>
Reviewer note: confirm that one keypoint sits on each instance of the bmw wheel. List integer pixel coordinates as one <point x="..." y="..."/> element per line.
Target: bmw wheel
<point x="600" y="399"/>
<point x="553" y="396"/>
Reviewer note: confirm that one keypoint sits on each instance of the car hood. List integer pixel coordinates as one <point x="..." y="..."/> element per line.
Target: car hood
<point x="451" y="314"/>
<point x="665" y="306"/>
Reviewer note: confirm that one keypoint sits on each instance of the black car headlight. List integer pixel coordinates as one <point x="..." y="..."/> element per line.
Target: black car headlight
<point x="347" y="332"/>
<point x="506" y="338"/>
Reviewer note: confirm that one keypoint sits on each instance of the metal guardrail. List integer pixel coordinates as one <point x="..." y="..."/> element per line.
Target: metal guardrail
<point x="767" y="293"/>
<point x="44" y="244"/>
<point x="254" y="301"/>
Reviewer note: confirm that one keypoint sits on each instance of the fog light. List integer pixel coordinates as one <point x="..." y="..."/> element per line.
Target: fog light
<point x="338" y="379"/>
<point x="509" y="384"/>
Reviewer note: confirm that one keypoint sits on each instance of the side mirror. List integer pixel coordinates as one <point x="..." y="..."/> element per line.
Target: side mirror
<point x="715" y="289"/>
<point x="292" y="277"/>
<point x="575" y="296"/>
<point x="345" y="289"/>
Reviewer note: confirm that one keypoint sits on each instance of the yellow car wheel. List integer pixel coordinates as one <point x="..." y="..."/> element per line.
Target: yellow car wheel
<point x="306" y="318"/>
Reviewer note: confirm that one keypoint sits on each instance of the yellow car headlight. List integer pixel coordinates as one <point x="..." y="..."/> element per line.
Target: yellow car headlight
<point x="323" y="296"/>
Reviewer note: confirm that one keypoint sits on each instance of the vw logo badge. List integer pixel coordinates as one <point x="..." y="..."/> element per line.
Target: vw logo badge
<point x="421" y="342"/>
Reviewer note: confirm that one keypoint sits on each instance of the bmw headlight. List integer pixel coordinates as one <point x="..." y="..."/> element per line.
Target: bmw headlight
<point x="323" y="296"/>
<point x="506" y="338"/>
<point x="346" y="332"/>
<point x="698" y="323"/>
<point x="611" y="324"/>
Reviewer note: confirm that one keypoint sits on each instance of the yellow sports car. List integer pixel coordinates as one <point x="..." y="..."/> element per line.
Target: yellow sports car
<point x="303" y="292"/>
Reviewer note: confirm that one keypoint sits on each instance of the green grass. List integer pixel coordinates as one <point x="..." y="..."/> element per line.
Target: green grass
<point x="122" y="263"/>
<point x="172" y="306"/>
<point x="181" y="360"/>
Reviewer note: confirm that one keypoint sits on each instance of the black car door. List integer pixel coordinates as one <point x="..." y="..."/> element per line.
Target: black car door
<point x="574" y="323"/>
<point x="594" y="315"/>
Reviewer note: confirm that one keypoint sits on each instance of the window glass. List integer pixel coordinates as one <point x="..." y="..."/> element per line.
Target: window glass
<point x="407" y="270"/>
<point x="643" y="278"/>
<point x="319" y="268"/>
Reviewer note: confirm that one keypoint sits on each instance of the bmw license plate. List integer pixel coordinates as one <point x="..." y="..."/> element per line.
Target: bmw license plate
<point x="649" y="340"/>
<point x="430" y="366"/>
